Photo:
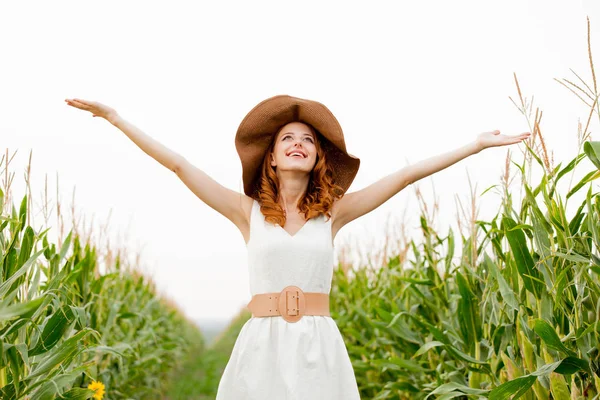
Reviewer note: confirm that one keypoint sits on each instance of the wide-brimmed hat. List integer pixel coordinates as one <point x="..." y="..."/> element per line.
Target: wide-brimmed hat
<point x="260" y="125"/>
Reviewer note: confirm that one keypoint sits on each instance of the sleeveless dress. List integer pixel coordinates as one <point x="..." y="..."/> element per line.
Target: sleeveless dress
<point x="273" y="359"/>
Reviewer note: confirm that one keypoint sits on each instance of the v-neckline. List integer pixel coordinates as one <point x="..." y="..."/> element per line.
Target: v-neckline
<point x="281" y="227"/>
<point x="297" y="232"/>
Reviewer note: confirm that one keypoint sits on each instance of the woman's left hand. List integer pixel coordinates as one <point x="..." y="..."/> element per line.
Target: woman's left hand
<point x="494" y="139"/>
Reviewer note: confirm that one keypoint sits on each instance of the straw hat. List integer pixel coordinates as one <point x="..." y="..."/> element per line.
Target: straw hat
<point x="260" y="125"/>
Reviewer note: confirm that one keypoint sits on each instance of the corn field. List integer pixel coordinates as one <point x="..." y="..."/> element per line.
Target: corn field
<point x="518" y="316"/>
<point x="65" y="329"/>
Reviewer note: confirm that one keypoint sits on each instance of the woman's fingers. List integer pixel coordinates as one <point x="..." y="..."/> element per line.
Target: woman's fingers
<point x="521" y="137"/>
<point x="518" y="138"/>
<point x="494" y="138"/>
<point x="77" y="104"/>
<point x="96" y="108"/>
<point x="72" y="102"/>
<point x="76" y="100"/>
<point x="503" y="140"/>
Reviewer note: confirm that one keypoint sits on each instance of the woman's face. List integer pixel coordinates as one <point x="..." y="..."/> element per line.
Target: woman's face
<point x="294" y="137"/>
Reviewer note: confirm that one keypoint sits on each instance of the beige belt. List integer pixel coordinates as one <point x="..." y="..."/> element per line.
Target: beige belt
<point x="291" y="304"/>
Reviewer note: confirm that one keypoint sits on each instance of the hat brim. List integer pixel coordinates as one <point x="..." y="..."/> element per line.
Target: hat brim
<point x="258" y="127"/>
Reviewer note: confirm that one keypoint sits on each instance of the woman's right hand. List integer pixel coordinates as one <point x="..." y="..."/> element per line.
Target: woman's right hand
<point x="97" y="109"/>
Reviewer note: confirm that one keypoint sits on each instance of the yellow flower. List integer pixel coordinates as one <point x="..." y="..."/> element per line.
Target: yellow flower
<point x="98" y="388"/>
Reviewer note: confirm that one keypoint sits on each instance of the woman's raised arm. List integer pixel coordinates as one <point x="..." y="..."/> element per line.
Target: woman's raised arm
<point x="150" y="146"/>
<point x="227" y="202"/>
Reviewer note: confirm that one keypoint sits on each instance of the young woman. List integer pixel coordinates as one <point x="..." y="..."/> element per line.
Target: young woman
<point x="296" y="172"/>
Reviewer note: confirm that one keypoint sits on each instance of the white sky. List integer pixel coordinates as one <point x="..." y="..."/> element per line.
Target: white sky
<point x="406" y="82"/>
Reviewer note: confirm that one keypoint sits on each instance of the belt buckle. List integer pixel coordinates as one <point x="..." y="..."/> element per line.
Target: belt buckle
<point x="292" y="303"/>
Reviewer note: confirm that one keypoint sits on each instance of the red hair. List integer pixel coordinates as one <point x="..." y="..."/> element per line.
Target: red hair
<point x="320" y="193"/>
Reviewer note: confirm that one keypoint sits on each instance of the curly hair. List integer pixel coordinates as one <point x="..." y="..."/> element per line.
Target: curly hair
<point x="319" y="195"/>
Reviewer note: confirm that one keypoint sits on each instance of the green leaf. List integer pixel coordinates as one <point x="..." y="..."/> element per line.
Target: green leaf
<point x="8" y="283"/>
<point x="550" y="337"/>
<point x="468" y="315"/>
<point x="585" y="180"/>
<point x="570" y="365"/>
<point x="520" y="385"/>
<point x="566" y="169"/>
<point x="21" y="310"/>
<point x="592" y="150"/>
<point x="520" y="251"/>
<point x="48" y="389"/>
<point x="78" y="394"/>
<point x="448" y="345"/>
<point x="505" y="290"/>
<point x="450" y="253"/>
<point x="59" y="354"/>
<point x="558" y="387"/>
<point x="572" y="257"/>
<point x="416" y="281"/>
<point x="54" y="330"/>
<point x="516" y="387"/>
<point x="536" y="157"/>
<point x="453" y="387"/>
<point x="426" y="347"/>
<point x="398" y="364"/>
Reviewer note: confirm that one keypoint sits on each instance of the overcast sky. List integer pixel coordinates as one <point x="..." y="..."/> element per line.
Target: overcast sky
<point x="406" y="82"/>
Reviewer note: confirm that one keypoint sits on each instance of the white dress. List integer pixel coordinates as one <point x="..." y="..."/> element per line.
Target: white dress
<point x="273" y="359"/>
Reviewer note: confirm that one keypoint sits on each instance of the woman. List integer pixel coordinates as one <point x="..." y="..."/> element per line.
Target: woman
<point x="296" y="171"/>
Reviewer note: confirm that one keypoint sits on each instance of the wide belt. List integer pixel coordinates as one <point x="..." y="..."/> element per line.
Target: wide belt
<point x="291" y="304"/>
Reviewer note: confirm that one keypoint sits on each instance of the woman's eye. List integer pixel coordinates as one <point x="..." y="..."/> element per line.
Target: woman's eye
<point x="311" y="140"/>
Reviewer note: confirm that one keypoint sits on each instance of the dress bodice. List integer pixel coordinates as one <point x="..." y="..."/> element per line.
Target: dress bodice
<point x="277" y="259"/>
